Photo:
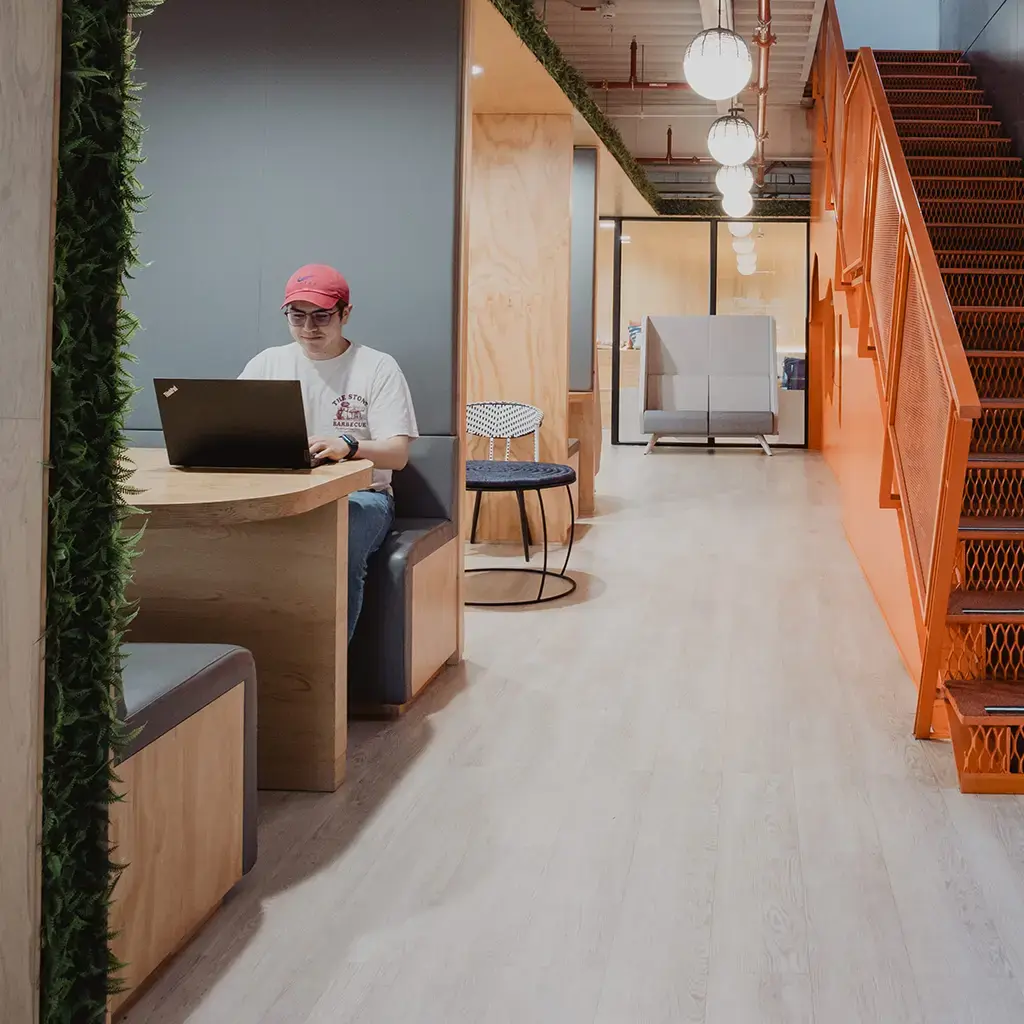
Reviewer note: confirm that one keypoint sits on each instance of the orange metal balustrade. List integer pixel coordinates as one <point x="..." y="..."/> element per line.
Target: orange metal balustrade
<point x="928" y="223"/>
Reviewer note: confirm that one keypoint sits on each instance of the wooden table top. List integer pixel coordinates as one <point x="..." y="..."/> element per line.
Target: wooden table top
<point x="180" y="497"/>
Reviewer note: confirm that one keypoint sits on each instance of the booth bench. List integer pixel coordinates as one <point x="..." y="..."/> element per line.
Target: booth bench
<point x="408" y="628"/>
<point x="186" y="824"/>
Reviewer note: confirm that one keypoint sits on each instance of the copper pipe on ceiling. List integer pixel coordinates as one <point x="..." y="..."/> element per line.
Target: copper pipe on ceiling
<point x="633" y="82"/>
<point x="764" y="39"/>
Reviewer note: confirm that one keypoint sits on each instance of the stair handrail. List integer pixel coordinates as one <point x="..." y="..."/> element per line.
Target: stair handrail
<point x="926" y="389"/>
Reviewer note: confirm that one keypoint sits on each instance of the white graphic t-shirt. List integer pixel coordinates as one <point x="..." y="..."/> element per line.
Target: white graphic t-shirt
<point x="362" y="392"/>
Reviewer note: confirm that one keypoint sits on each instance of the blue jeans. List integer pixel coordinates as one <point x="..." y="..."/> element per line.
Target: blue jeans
<point x="370" y="515"/>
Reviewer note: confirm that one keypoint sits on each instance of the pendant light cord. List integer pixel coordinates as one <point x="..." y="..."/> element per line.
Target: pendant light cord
<point x="983" y="27"/>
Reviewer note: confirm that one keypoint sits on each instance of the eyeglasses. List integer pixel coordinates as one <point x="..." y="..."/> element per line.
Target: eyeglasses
<point x="320" y="317"/>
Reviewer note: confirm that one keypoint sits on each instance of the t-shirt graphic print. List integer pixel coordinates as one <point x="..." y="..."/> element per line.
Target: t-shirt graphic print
<point x="362" y="392"/>
<point x="350" y="414"/>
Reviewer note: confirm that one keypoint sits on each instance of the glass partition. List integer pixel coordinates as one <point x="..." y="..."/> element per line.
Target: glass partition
<point x="765" y="272"/>
<point x="666" y="270"/>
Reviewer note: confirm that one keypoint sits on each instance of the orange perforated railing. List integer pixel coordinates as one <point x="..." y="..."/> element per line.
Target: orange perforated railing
<point x="926" y="388"/>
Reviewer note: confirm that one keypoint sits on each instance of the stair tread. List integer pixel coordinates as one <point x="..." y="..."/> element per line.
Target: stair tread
<point x="959" y="200"/>
<point x="1004" y="525"/>
<point x="981" y="604"/>
<point x="935" y="120"/>
<point x="927" y="106"/>
<point x="969" y="698"/>
<point x="999" y="459"/>
<point x="1015" y="310"/>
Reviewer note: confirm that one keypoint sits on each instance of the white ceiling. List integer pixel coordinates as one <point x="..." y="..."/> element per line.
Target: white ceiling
<point x="599" y="48"/>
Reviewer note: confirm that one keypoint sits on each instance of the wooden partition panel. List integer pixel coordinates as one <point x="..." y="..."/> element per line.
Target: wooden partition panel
<point x="518" y="337"/>
<point x="29" y="65"/>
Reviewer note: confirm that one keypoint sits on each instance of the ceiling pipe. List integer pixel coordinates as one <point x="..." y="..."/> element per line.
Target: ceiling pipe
<point x="633" y="82"/>
<point x="764" y="39"/>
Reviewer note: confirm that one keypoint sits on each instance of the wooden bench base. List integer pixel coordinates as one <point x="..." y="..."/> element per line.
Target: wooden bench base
<point x="179" y="830"/>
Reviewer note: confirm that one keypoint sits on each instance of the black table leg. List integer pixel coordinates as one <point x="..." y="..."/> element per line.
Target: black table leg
<point x="524" y="523"/>
<point x="476" y="516"/>
<point x="572" y="530"/>
<point x="544" y="527"/>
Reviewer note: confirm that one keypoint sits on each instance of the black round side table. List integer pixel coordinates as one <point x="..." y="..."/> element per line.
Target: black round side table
<point x="518" y="478"/>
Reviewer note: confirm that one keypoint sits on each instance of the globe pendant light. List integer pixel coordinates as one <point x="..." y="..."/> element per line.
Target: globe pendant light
<point x="747" y="263"/>
<point x="742" y="246"/>
<point x="741" y="229"/>
<point x="717" y="64"/>
<point x="734" y="178"/>
<point x="737" y="204"/>
<point x="732" y="139"/>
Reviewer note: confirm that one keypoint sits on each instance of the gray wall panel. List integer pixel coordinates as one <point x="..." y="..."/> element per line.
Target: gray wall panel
<point x="994" y="31"/>
<point x="273" y="142"/>
<point x="584" y="243"/>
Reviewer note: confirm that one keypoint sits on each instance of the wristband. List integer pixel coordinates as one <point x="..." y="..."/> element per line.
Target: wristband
<point x="353" y="446"/>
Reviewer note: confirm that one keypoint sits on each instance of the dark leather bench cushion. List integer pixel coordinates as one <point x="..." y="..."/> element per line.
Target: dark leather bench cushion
<point x="380" y="655"/>
<point x="412" y="540"/>
<point x="165" y="684"/>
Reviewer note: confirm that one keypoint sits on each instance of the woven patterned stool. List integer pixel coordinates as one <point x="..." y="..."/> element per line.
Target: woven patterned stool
<point x="518" y="478"/>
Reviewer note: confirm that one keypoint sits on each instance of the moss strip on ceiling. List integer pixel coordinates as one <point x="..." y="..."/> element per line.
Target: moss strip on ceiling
<point x="522" y="16"/>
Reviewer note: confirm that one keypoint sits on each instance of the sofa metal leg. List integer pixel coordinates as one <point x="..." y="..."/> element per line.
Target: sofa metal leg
<point x="650" y="444"/>
<point x="765" y="445"/>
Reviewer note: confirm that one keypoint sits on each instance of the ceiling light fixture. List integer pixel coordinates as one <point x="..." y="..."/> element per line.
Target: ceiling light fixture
<point x="740" y="230"/>
<point x="732" y="139"/>
<point x="607" y="224"/>
<point x="717" y="63"/>
<point x="738" y="204"/>
<point x="743" y="246"/>
<point x="734" y="178"/>
<point x="747" y="269"/>
<point x="477" y="70"/>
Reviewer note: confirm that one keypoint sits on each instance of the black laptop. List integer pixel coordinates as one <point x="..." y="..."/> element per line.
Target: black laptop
<point x="234" y="424"/>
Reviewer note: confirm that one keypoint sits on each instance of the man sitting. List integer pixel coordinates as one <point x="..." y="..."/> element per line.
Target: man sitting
<point x="357" y="404"/>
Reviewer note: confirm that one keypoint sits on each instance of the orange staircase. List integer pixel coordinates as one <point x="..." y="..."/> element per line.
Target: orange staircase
<point x="971" y="194"/>
<point x="928" y="201"/>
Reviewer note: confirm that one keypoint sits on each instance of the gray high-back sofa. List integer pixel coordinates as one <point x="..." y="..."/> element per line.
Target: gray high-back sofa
<point x="709" y="376"/>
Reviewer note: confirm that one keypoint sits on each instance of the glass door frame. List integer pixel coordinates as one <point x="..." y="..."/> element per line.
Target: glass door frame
<point x="712" y="305"/>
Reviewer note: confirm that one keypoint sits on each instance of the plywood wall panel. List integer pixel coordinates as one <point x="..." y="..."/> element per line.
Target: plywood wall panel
<point x="29" y="47"/>
<point x="518" y="323"/>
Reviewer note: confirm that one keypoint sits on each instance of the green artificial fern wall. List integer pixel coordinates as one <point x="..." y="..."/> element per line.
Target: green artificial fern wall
<point x="522" y="16"/>
<point x="89" y="559"/>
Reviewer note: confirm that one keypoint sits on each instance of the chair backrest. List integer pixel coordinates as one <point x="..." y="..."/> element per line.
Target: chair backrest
<point x="506" y="420"/>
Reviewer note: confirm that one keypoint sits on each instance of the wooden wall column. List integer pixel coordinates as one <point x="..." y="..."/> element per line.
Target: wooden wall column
<point x="29" y="66"/>
<point x="518" y="327"/>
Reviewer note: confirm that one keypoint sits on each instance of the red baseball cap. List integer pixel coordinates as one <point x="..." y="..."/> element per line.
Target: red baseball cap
<point x="319" y="284"/>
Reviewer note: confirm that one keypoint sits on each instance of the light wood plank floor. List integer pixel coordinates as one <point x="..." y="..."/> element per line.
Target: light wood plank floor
<point x="689" y="795"/>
